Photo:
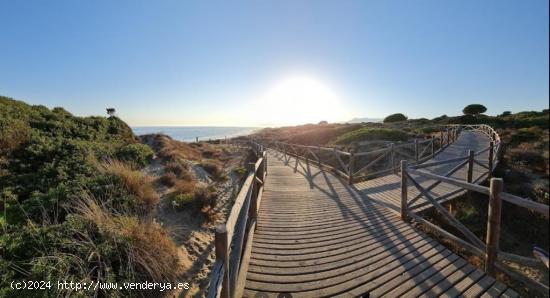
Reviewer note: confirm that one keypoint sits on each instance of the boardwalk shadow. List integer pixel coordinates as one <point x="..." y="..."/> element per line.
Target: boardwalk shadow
<point x="356" y="207"/>
<point x="411" y="257"/>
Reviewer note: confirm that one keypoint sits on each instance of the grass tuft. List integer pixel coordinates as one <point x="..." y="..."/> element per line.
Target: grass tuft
<point x="134" y="180"/>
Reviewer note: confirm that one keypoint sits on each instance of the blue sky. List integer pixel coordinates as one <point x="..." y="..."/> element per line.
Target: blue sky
<point x="215" y="63"/>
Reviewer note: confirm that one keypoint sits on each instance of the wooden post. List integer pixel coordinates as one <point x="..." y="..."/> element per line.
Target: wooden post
<point x="416" y="150"/>
<point x="319" y="155"/>
<point x="351" y="166"/>
<point x="265" y="165"/>
<point x="441" y="140"/>
<point x="491" y="156"/>
<point x="493" y="225"/>
<point x="432" y="144"/>
<point x="448" y="133"/>
<point x="392" y="158"/>
<point x="222" y="253"/>
<point x="470" y="175"/>
<point x="404" y="190"/>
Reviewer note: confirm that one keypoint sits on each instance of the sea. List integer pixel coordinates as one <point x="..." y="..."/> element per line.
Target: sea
<point x="191" y="133"/>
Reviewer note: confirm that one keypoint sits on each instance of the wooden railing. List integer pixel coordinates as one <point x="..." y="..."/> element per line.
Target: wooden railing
<point x="358" y="166"/>
<point x="488" y="250"/>
<point x="233" y="239"/>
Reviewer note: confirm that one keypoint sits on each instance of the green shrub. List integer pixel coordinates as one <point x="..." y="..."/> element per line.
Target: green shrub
<point x="370" y="134"/>
<point x="526" y="157"/>
<point x="440" y="118"/>
<point x="181" y="201"/>
<point x="428" y="129"/>
<point x="240" y="171"/>
<point x="139" y="154"/>
<point x="205" y="197"/>
<point x="48" y="159"/>
<point x="526" y="135"/>
<point x="398" y="117"/>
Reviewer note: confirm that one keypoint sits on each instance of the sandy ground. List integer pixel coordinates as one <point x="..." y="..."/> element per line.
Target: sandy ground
<point x="192" y="234"/>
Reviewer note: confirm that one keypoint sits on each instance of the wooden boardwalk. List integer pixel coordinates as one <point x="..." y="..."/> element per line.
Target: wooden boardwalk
<point x="316" y="236"/>
<point x="385" y="190"/>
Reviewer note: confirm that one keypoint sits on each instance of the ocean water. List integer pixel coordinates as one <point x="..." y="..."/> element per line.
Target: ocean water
<point x="190" y="133"/>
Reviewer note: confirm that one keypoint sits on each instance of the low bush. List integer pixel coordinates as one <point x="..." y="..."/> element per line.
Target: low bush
<point x="182" y="201"/>
<point x="135" y="181"/>
<point x="526" y="135"/>
<point x="139" y="154"/>
<point x="168" y="179"/>
<point x="185" y="186"/>
<point x="214" y="168"/>
<point x="181" y="170"/>
<point x="371" y="134"/>
<point x="201" y="198"/>
<point x="205" y="197"/>
<point x="524" y="157"/>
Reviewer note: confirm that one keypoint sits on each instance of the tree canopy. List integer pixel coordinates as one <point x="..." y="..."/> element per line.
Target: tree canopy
<point x="474" y="109"/>
<point x="395" y="118"/>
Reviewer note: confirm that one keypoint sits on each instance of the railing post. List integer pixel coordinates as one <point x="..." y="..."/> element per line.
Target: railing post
<point x="470" y="175"/>
<point x="404" y="190"/>
<point x="351" y="166"/>
<point x="265" y="165"/>
<point x="448" y="133"/>
<point x="416" y="150"/>
<point x="319" y="155"/>
<point x="491" y="156"/>
<point x="392" y="158"/>
<point x="493" y="225"/>
<point x="222" y="253"/>
<point x="441" y="140"/>
<point x="433" y="145"/>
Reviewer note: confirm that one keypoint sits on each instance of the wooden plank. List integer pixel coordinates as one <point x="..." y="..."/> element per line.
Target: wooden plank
<point x="317" y="237"/>
<point x="239" y="287"/>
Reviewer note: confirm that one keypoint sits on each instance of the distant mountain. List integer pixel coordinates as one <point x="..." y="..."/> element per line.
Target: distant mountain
<point x="359" y="120"/>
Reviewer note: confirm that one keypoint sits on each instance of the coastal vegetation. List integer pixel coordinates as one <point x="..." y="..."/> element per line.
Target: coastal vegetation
<point x="84" y="199"/>
<point x="395" y="118"/>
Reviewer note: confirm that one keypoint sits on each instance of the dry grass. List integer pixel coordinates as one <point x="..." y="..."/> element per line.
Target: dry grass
<point x="185" y="186"/>
<point x="169" y="179"/>
<point x="146" y="250"/>
<point x="181" y="170"/>
<point x="172" y="150"/>
<point x="214" y="168"/>
<point x="134" y="180"/>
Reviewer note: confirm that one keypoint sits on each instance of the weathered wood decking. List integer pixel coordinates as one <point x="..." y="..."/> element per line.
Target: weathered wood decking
<point x="317" y="236"/>
<point x="384" y="190"/>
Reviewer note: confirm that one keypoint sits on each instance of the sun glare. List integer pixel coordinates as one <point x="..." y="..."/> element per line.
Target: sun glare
<point x="300" y="100"/>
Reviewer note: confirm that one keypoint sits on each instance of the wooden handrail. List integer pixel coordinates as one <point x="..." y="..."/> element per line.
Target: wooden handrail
<point x="233" y="239"/>
<point x="364" y="165"/>
<point x="489" y="251"/>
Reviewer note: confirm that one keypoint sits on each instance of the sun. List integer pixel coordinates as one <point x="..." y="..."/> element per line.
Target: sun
<point x="300" y="100"/>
